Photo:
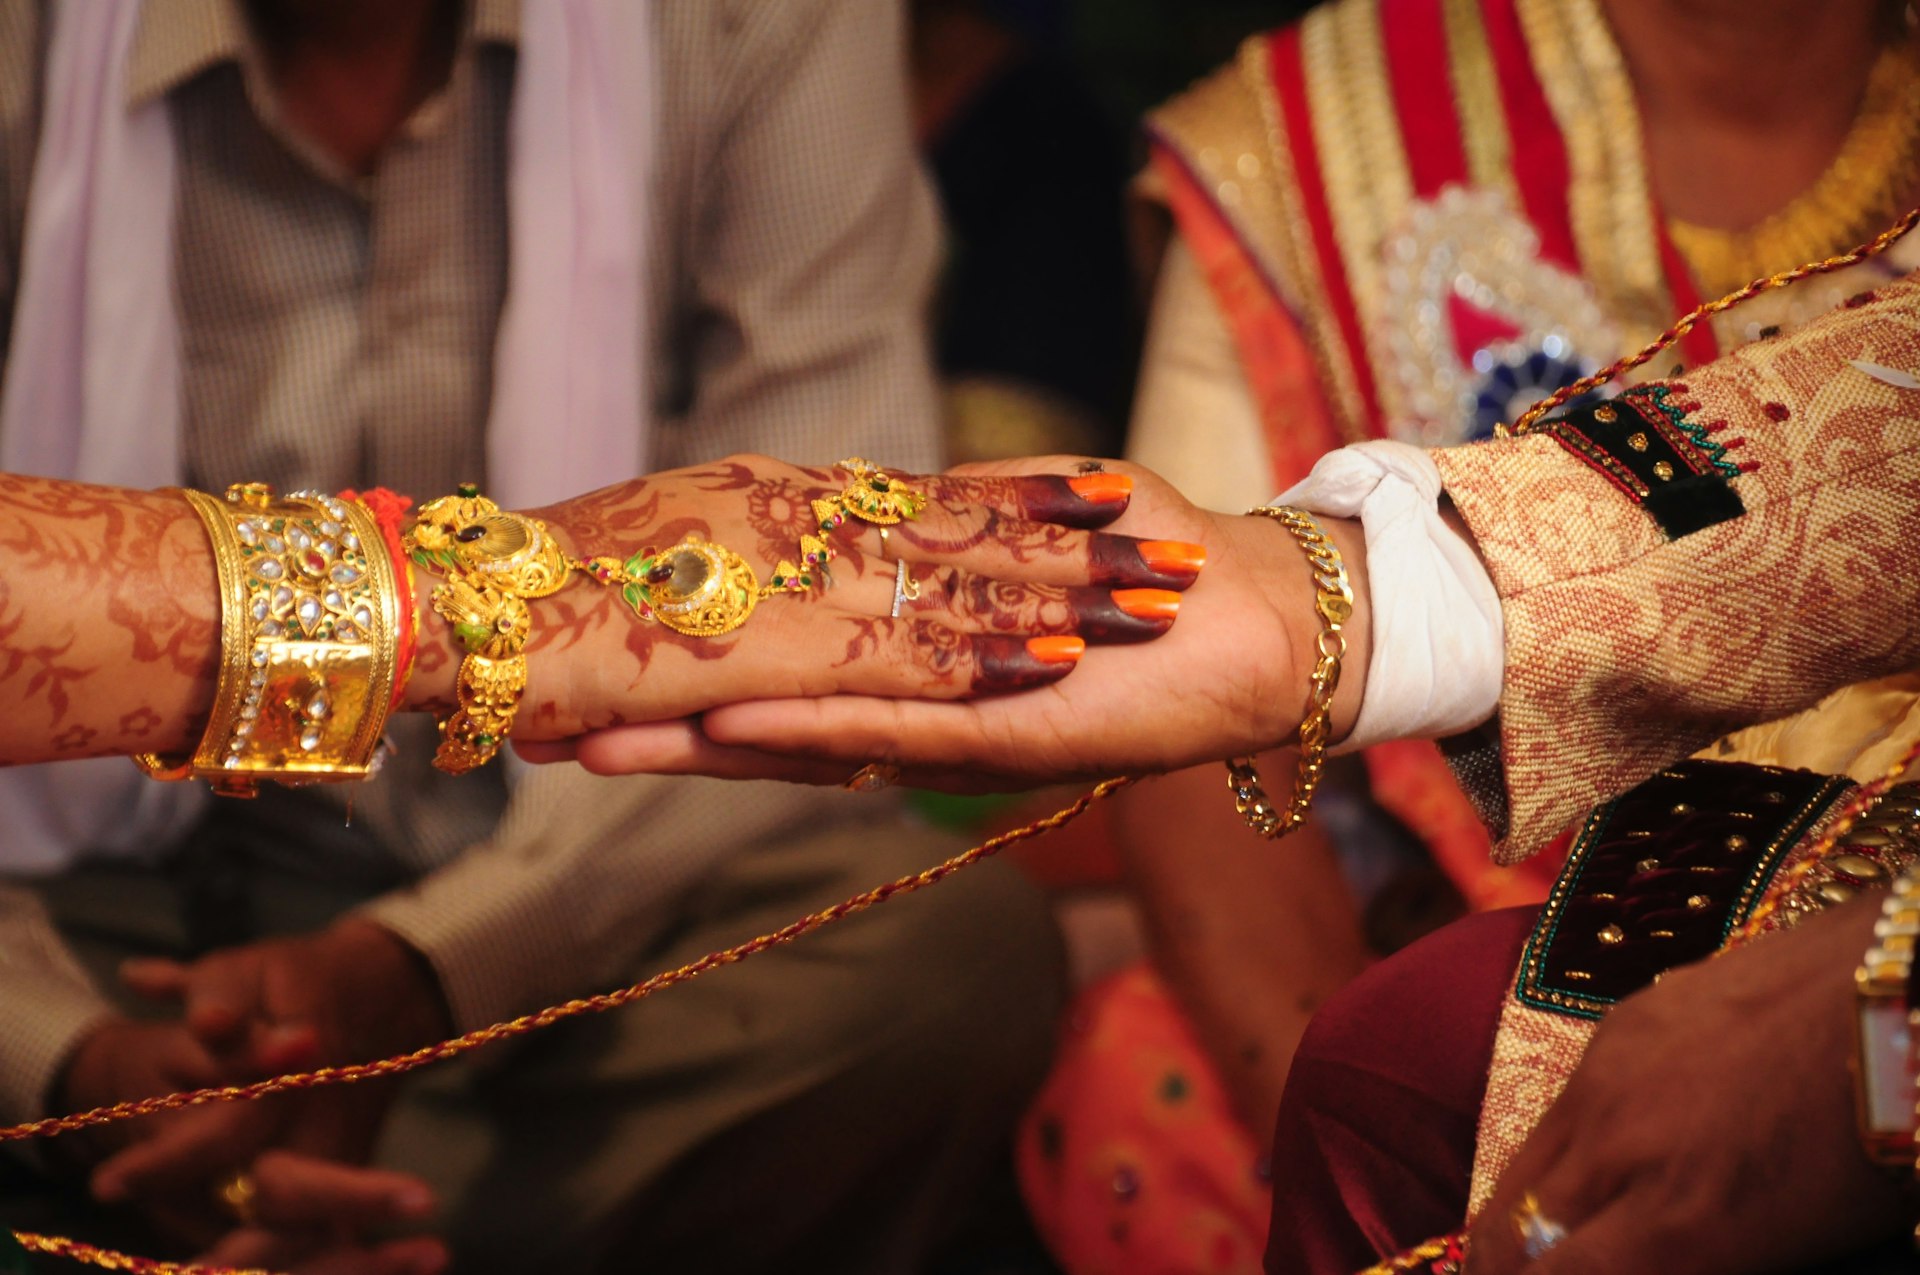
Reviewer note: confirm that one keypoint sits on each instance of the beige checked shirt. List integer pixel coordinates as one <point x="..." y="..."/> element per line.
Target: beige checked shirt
<point x="338" y="332"/>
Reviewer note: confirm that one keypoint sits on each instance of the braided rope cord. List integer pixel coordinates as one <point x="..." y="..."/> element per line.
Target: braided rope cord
<point x="111" y="1260"/>
<point x="1432" y="1251"/>
<point x="1423" y="1257"/>
<point x="403" y="1063"/>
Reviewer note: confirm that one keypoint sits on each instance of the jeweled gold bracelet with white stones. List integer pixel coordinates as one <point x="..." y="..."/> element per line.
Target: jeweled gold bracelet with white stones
<point x="309" y="634"/>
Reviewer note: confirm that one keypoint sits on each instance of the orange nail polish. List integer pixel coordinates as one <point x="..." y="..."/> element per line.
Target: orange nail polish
<point x="1056" y="650"/>
<point x="1175" y="557"/>
<point x="1148" y="604"/>
<point x="1102" y="489"/>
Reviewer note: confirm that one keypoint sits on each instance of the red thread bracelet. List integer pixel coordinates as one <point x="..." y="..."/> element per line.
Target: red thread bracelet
<point x="390" y="510"/>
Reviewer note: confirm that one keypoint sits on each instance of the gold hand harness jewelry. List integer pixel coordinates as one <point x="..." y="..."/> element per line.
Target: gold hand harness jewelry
<point x="873" y="496"/>
<point x="494" y="561"/>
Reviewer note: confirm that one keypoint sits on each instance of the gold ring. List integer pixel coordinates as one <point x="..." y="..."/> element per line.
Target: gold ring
<point x="873" y="778"/>
<point x="1536" y="1231"/>
<point x="237" y="1193"/>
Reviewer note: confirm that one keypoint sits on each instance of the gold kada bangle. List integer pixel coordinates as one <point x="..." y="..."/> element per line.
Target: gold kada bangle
<point x="309" y="639"/>
<point x="1334" y="602"/>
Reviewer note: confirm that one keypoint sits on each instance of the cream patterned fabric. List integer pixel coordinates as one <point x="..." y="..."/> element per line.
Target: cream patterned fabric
<point x="1626" y="651"/>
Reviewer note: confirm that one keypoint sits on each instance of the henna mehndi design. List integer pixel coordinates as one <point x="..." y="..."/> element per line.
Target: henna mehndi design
<point x="138" y="578"/>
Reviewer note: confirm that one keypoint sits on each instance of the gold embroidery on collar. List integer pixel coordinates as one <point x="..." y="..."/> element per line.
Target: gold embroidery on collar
<point x="1339" y="366"/>
<point x="1363" y="160"/>
<point x="1476" y="95"/>
<point x="1611" y="206"/>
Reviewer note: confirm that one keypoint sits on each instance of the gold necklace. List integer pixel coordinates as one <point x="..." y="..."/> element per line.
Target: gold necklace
<point x="1865" y="186"/>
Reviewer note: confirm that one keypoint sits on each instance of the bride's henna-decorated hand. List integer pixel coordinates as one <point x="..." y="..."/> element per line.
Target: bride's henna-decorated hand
<point x="1231" y="679"/>
<point x="109" y="628"/>
<point x="1008" y="574"/>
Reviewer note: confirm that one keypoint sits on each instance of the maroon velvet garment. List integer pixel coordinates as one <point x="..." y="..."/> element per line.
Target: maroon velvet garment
<point x="1374" y="1146"/>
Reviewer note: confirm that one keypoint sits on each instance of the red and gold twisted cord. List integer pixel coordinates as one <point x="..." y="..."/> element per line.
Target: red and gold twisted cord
<point x="403" y="1063"/>
<point x="108" y="1259"/>
<point x="1426" y="1258"/>
<point x="111" y="1260"/>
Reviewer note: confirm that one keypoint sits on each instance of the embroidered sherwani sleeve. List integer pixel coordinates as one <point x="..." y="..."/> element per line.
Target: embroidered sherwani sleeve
<point x="1635" y="637"/>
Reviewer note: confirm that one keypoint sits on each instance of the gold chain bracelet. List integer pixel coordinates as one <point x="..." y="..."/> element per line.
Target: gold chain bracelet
<point x="1334" y="602"/>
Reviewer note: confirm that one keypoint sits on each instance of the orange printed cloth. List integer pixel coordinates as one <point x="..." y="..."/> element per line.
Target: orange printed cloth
<point x="1131" y="1160"/>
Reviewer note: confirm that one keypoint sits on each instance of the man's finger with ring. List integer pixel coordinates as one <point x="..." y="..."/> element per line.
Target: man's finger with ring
<point x="1545" y="1170"/>
<point x="1537" y="1231"/>
<point x="1615" y="1239"/>
<point x="236" y="1194"/>
<point x="182" y="1152"/>
<point x="1518" y="1230"/>
<point x="873" y="777"/>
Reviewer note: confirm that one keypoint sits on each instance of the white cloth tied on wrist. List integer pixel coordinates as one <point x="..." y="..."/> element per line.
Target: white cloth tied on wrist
<point x="1439" y="642"/>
